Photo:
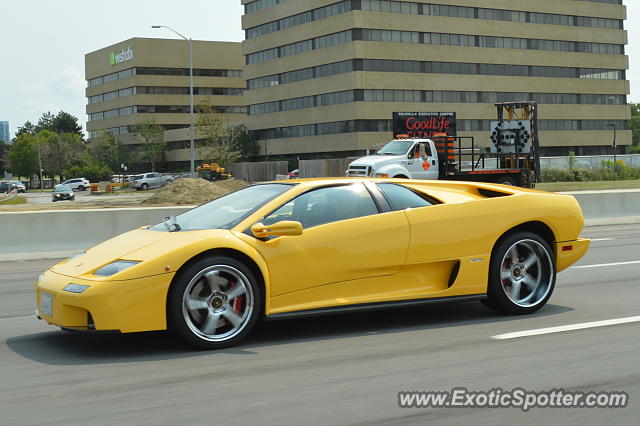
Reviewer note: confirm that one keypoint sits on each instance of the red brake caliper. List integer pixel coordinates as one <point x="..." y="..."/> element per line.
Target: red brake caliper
<point x="238" y="301"/>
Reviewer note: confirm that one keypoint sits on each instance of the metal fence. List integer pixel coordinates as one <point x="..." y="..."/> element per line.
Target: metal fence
<point x="588" y="162"/>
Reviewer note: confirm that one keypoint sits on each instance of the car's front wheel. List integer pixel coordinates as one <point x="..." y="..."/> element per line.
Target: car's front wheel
<point x="522" y="274"/>
<point x="214" y="303"/>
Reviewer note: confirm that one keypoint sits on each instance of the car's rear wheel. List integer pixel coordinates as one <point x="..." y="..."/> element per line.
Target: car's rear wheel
<point x="522" y="274"/>
<point x="214" y="303"/>
<point x="80" y="188"/>
<point x="145" y="186"/>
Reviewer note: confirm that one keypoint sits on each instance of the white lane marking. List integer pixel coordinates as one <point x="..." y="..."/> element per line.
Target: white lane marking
<point x="633" y="262"/>
<point x="570" y="327"/>
<point x="601" y="239"/>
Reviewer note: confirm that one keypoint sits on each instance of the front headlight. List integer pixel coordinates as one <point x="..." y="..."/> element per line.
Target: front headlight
<point x="115" y="267"/>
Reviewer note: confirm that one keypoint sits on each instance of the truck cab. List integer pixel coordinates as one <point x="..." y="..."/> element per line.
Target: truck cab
<point x="400" y="158"/>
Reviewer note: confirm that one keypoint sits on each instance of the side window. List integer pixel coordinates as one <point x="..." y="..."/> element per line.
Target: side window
<point x="415" y="151"/>
<point x="402" y="198"/>
<point x="326" y="205"/>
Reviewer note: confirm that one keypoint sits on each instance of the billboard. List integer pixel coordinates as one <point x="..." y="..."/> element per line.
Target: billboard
<point x="424" y="125"/>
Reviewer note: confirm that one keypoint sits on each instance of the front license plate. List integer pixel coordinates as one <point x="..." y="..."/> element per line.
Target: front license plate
<point x="46" y="304"/>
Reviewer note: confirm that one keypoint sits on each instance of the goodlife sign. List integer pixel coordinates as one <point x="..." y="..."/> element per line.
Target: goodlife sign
<point x="422" y="125"/>
<point x="119" y="57"/>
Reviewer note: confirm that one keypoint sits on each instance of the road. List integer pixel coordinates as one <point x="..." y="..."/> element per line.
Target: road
<point x="342" y="370"/>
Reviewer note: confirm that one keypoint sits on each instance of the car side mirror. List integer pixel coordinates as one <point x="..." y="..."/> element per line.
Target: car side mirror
<point x="282" y="228"/>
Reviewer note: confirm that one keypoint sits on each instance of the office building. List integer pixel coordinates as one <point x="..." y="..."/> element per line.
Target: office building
<point x="325" y="76"/>
<point x="143" y="78"/>
<point x="4" y="131"/>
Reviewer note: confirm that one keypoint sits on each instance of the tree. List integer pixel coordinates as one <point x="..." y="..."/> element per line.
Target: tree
<point x="107" y="150"/>
<point x="220" y="140"/>
<point x="66" y="123"/>
<point x="634" y="123"/>
<point x="45" y="122"/>
<point x="61" y="151"/>
<point x="4" y="157"/>
<point x="63" y="122"/>
<point x="94" y="172"/>
<point x="151" y="137"/>
<point x="27" y="129"/>
<point x="247" y="141"/>
<point x="23" y="157"/>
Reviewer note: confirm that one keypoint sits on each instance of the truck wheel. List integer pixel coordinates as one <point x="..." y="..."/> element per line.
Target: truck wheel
<point x="522" y="274"/>
<point x="507" y="180"/>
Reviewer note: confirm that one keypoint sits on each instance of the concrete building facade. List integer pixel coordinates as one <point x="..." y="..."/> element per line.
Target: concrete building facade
<point x="142" y="78"/>
<point x="325" y="76"/>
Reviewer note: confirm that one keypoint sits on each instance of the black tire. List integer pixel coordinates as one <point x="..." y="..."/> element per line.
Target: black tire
<point x="520" y="287"/>
<point x="193" y="305"/>
<point x="145" y="186"/>
<point x="401" y="177"/>
<point x="80" y="188"/>
<point x="507" y="180"/>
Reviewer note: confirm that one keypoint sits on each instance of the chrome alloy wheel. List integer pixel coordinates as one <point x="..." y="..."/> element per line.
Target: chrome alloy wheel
<point x="526" y="273"/>
<point x="217" y="303"/>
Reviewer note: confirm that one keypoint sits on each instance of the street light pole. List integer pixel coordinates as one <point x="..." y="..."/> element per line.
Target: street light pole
<point x="191" y="116"/>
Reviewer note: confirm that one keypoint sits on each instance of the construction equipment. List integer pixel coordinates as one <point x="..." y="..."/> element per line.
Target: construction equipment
<point x="212" y="172"/>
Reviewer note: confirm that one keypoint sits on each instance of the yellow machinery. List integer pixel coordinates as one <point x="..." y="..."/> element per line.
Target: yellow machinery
<point x="212" y="172"/>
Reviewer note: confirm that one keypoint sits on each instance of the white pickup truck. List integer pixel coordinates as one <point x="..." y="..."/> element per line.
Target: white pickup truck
<point x="444" y="160"/>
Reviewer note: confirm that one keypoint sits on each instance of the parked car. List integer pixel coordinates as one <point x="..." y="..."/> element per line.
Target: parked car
<point x="148" y="180"/>
<point x="19" y="185"/>
<point x="294" y="174"/>
<point x="6" y="187"/>
<point x="77" y="184"/>
<point x="62" y="192"/>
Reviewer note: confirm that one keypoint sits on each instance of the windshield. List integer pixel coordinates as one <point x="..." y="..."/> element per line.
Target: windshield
<point x="61" y="188"/>
<point x="396" y="148"/>
<point x="224" y="212"/>
<point x="138" y="177"/>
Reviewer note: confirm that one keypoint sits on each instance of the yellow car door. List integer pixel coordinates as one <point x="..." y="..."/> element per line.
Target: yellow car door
<point x="345" y="240"/>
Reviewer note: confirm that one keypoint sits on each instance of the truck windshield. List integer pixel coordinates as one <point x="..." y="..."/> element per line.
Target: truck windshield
<point x="396" y="148"/>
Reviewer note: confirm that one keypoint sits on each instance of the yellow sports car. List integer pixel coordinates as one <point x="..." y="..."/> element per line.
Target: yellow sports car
<point x="317" y="246"/>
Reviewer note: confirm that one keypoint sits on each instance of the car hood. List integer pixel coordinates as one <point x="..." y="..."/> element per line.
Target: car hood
<point x="155" y="250"/>
<point x="376" y="160"/>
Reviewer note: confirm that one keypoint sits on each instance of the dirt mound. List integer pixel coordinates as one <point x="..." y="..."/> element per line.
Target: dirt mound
<point x="193" y="191"/>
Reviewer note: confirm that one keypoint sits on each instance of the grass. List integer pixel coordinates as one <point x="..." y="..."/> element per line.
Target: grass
<point x="588" y="186"/>
<point x="14" y="201"/>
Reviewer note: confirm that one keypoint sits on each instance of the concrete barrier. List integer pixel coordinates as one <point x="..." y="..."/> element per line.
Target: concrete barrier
<point x="611" y="207"/>
<point x="60" y="233"/>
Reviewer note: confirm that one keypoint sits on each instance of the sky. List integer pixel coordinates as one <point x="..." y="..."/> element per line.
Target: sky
<point x="44" y="43"/>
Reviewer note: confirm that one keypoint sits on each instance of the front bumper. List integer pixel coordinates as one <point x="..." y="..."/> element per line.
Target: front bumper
<point x="569" y="252"/>
<point x="128" y="306"/>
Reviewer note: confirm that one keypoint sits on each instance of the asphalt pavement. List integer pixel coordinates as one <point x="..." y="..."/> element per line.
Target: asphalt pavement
<point x="340" y="370"/>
